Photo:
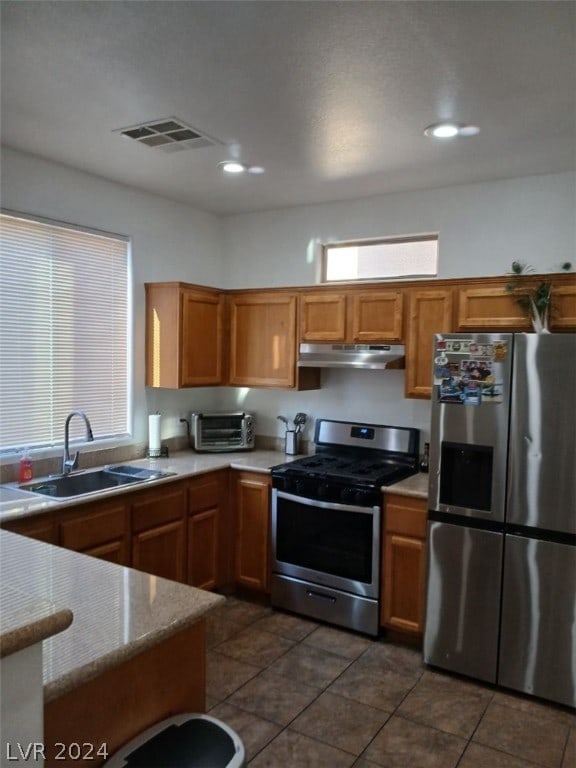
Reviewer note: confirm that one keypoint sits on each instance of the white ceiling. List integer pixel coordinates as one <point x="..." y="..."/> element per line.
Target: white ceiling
<point x="330" y="97"/>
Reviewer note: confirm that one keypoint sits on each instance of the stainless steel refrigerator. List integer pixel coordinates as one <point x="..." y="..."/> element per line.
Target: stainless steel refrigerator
<point x="501" y="588"/>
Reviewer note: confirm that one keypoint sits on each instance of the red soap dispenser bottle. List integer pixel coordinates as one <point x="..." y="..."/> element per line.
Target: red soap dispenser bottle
<point x="25" y="471"/>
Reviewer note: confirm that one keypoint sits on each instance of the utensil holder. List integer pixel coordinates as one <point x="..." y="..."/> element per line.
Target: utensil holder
<point x="291" y="442"/>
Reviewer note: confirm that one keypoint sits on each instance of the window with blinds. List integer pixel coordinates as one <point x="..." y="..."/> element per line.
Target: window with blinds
<point x="410" y="256"/>
<point x="64" y="303"/>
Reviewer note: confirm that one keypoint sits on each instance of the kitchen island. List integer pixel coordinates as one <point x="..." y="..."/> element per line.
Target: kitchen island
<point x="134" y="653"/>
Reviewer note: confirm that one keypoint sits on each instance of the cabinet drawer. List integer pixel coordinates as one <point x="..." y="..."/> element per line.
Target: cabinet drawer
<point x="406" y="515"/>
<point x="93" y="527"/>
<point x="41" y="528"/>
<point x="206" y="492"/>
<point x="158" y="507"/>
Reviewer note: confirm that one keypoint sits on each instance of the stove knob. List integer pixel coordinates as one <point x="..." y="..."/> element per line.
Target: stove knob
<point x="361" y="497"/>
<point x="347" y="495"/>
<point x="323" y="490"/>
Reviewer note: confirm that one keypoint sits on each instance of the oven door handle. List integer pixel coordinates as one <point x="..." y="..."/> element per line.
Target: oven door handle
<point x="320" y="596"/>
<point x="325" y="504"/>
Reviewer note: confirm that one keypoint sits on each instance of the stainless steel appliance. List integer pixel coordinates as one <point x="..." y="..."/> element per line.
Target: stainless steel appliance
<point x="352" y="356"/>
<point x="221" y="432"/>
<point x="501" y="590"/>
<point x="326" y="511"/>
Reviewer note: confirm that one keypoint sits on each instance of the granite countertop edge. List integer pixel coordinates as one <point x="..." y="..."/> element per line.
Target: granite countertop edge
<point x="30" y="620"/>
<point x="75" y="678"/>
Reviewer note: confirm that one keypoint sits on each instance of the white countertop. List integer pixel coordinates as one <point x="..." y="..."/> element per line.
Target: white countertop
<point x="117" y="612"/>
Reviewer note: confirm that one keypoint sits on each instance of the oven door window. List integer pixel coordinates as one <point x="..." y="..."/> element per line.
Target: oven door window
<point x="333" y="541"/>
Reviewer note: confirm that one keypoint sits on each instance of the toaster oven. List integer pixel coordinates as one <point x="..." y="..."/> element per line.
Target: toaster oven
<point x="213" y="432"/>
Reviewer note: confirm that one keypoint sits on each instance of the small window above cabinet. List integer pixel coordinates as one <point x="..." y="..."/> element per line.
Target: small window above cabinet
<point x="352" y="317"/>
<point x="183" y="335"/>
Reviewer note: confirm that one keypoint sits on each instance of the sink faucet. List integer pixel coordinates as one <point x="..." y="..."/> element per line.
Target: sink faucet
<point x="71" y="462"/>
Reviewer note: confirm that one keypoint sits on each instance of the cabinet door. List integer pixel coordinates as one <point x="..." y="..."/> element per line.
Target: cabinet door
<point x="208" y="546"/>
<point x="376" y="316"/>
<point x="158" y="531"/>
<point x="404" y="564"/>
<point x="252" y="507"/>
<point x="490" y="308"/>
<point x="322" y="317"/>
<point x="203" y="549"/>
<point x="429" y="312"/>
<point x="99" y="529"/>
<point x="563" y="312"/>
<point x="183" y="335"/>
<point x="263" y="339"/>
<point x="404" y="583"/>
<point x="201" y="338"/>
<point x="160" y="551"/>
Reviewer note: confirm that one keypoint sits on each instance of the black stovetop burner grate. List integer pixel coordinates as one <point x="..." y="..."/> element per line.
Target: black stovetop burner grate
<point x="335" y="467"/>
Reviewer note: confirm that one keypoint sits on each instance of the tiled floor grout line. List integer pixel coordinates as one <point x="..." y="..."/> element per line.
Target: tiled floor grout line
<point x="298" y="640"/>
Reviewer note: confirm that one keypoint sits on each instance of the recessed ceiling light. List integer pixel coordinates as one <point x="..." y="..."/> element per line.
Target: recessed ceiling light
<point x="450" y="130"/>
<point x="234" y="166"/>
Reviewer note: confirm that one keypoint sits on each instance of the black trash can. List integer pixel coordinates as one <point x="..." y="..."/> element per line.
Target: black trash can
<point x="184" y="741"/>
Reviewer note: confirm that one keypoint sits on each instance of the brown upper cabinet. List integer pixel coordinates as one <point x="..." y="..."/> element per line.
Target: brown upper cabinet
<point x="486" y="305"/>
<point x="198" y="336"/>
<point x="429" y="311"/>
<point x="263" y="341"/>
<point x="489" y="308"/>
<point x="354" y="317"/>
<point x="563" y="314"/>
<point x="184" y="333"/>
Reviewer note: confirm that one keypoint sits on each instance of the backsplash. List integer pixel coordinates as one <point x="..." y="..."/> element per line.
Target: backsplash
<point x="98" y="458"/>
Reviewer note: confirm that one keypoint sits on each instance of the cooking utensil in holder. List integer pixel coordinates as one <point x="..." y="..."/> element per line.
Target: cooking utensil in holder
<point x="292" y="442"/>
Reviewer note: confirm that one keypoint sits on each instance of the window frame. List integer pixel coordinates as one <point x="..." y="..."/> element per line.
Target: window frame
<point x="425" y="237"/>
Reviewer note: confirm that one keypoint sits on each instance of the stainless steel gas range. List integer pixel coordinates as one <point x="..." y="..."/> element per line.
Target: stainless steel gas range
<point x="326" y="521"/>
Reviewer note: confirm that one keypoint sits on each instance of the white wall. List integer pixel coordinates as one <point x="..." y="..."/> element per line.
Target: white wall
<point x="375" y="397"/>
<point x="170" y="241"/>
<point x="482" y="229"/>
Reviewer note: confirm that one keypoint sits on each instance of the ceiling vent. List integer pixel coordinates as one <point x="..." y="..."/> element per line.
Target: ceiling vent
<point x="169" y="134"/>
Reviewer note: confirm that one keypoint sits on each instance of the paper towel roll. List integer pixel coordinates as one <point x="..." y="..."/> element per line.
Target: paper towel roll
<point x="154" y="444"/>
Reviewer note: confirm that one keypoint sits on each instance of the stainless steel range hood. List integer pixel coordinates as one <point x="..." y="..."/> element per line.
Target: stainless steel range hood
<point x="353" y="356"/>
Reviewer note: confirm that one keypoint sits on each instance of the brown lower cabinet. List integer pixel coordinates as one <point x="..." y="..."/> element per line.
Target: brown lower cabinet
<point x="209" y="531"/>
<point x="99" y="529"/>
<point x="404" y="564"/>
<point x="42" y="528"/>
<point x="159" y="531"/>
<point x="252" y="516"/>
<point x="183" y="530"/>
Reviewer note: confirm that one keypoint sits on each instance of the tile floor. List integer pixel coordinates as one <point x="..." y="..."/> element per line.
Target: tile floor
<point x="301" y="695"/>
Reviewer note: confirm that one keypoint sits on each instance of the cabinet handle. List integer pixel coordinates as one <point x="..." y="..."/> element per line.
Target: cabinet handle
<point x="320" y="596"/>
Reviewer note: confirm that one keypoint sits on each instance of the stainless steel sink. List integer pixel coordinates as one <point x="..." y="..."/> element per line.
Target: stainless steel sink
<point x="79" y="484"/>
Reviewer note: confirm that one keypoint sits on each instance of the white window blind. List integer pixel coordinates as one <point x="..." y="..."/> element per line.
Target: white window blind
<point x="63" y="332"/>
